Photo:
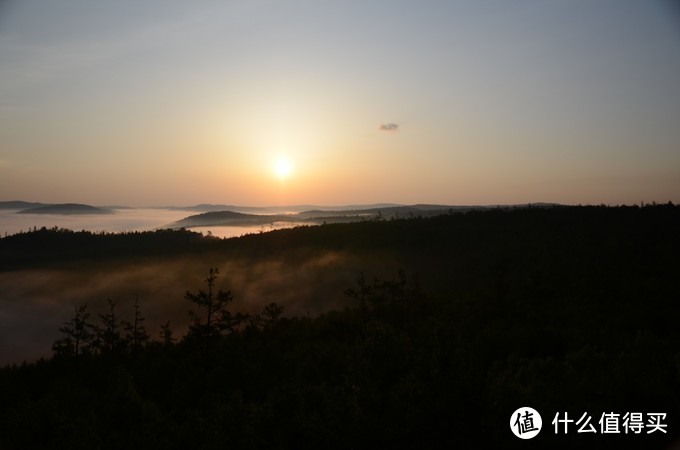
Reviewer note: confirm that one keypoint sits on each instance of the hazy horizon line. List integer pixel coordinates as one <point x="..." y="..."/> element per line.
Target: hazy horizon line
<point x="180" y="206"/>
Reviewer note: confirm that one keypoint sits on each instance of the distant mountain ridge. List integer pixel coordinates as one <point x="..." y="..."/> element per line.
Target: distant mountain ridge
<point x="67" y="209"/>
<point x="18" y="204"/>
<point x="209" y="207"/>
<point x="226" y="218"/>
<point x="319" y="216"/>
<point x="232" y="215"/>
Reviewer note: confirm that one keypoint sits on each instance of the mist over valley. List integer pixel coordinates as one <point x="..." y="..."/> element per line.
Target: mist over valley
<point x="218" y="220"/>
<point x="47" y="284"/>
<point x="306" y="268"/>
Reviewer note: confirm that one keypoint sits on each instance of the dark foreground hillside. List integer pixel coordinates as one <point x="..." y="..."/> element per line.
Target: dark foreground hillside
<point x="571" y="311"/>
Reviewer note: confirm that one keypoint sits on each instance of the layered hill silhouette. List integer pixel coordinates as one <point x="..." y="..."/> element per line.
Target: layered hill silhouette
<point x="66" y="208"/>
<point x="322" y="215"/>
<point x="18" y="204"/>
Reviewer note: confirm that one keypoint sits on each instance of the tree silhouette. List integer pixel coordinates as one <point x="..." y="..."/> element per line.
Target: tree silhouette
<point x="110" y="338"/>
<point x="217" y="318"/>
<point x="136" y="332"/>
<point x="166" y="334"/>
<point x="362" y="294"/>
<point x="270" y="315"/>
<point x="78" y="334"/>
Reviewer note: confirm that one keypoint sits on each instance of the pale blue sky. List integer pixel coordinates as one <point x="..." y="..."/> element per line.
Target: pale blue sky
<point x="160" y="102"/>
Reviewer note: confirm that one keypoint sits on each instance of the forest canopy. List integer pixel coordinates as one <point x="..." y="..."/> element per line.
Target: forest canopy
<point x="561" y="309"/>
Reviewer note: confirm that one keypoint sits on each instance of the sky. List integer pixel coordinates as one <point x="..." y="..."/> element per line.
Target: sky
<point x="264" y="102"/>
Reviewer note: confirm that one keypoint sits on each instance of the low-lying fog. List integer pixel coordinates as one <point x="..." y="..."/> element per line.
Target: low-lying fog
<point x="34" y="304"/>
<point x="137" y="219"/>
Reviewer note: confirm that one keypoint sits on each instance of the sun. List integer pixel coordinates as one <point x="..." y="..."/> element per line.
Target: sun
<point x="282" y="168"/>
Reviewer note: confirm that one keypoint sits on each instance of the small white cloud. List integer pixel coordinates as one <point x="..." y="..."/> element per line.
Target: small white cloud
<point x="389" y="127"/>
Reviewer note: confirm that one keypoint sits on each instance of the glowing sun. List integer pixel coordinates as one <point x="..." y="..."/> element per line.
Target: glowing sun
<point x="282" y="168"/>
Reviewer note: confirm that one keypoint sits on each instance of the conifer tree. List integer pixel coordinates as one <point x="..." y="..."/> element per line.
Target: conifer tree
<point x="217" y="317"/>
<point x="136" y="332"/>
<point x="166" y="334"/>
<point x="110" y="338"/>
<point x="78" y="335"/>
<point x="270" y="315"/>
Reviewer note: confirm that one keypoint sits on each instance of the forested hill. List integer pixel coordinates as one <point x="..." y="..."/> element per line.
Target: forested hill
<point x="571" y="311"/>
<point x="591" y="233"/>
